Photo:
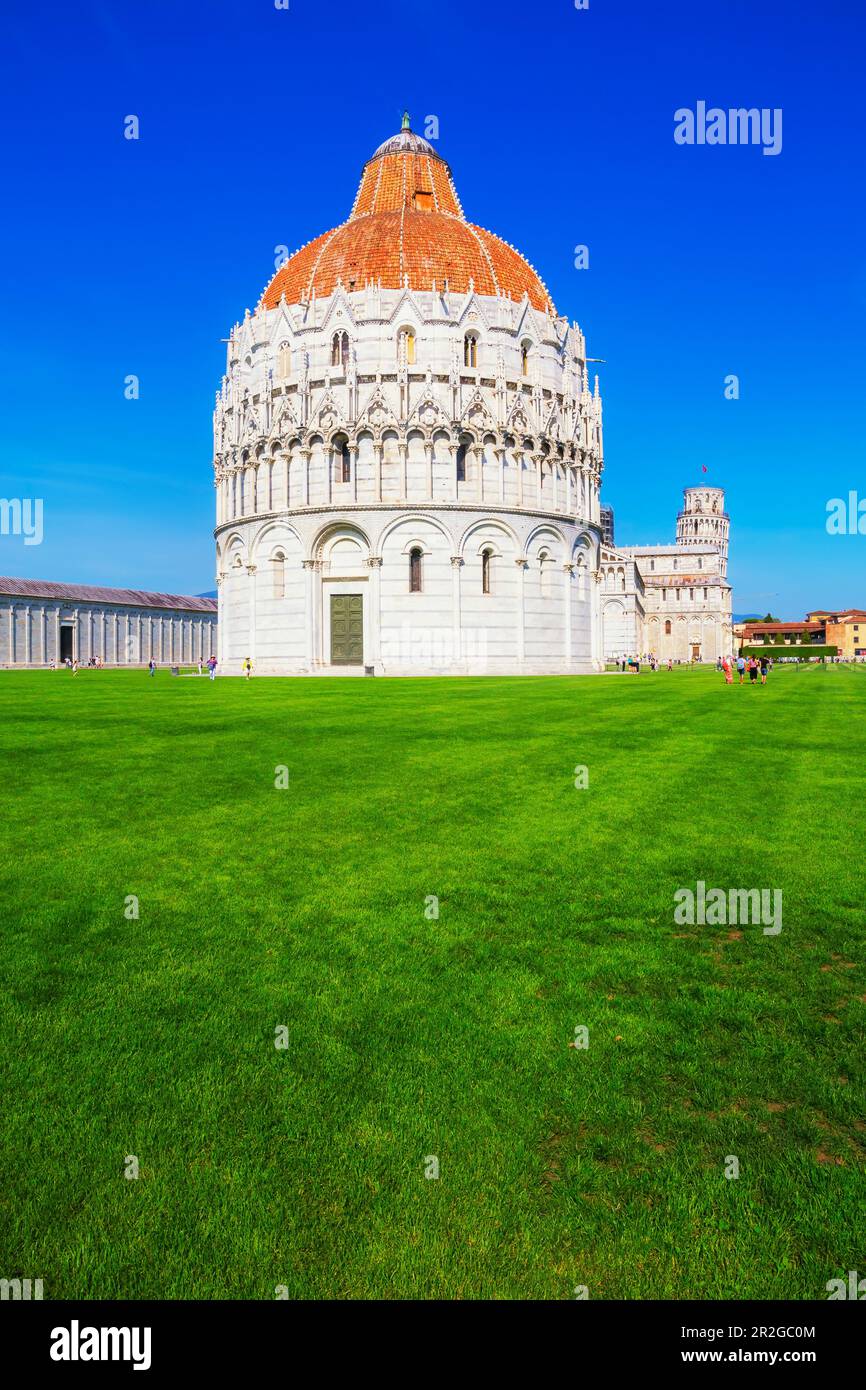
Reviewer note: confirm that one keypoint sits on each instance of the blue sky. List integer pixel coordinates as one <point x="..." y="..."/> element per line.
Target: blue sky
<point x="127" y="257"/>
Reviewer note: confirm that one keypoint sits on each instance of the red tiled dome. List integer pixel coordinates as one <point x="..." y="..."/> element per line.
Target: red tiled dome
<point x="407" y="222"/>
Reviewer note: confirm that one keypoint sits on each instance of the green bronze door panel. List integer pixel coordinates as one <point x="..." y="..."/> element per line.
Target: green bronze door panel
<point x="347" y="629"/>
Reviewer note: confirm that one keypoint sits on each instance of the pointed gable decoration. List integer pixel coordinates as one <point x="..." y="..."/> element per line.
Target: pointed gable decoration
<point x="377" y="413"/>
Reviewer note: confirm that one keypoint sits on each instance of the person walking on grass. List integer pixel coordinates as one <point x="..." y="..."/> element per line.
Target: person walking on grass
<point x="741" y="667"/>
<point x="765" y="661"/>
<point x="248" y="668"/>
<point x="725" y="665"/>
<point x="151" y="667"/>
<point x="200" y="666"/>
<point x="753" y="670"/>
<point x="75" y="666"/>
<point x="211" y="666"/>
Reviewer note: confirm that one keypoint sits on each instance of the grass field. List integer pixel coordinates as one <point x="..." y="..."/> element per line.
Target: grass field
<point x="411" y="1038"/>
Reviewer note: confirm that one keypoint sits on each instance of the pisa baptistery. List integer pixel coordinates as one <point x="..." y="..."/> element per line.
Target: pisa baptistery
<point x="407" y="453"/>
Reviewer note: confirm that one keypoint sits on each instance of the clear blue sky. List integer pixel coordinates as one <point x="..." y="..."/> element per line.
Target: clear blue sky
<point x="127" y="257"/>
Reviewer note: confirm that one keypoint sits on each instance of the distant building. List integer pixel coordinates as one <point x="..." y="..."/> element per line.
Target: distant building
<point x="44" y="621"/>
<point x="784" y="634"/>
<point x="843" y="629"/>
<point x="847" y="631"/>
<point x="673" y="600"/>
<point x="607" y="525"/>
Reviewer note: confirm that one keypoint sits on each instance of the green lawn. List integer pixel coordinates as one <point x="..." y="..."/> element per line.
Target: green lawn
<point x="409" y="1037"/>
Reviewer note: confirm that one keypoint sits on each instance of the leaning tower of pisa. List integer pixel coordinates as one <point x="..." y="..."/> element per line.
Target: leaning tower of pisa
<point x="704" y="521"/>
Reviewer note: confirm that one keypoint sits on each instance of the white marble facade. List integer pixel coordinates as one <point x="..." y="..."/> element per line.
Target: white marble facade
<point x="672" y="600"/>
<point x="408" y="460"/>
<point x="329" y="477"/>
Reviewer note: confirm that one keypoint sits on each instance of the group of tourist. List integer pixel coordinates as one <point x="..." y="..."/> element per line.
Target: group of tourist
<point x="211" y="664"/>
<point x="633" y="663"/>
<point x="751" y="666"/>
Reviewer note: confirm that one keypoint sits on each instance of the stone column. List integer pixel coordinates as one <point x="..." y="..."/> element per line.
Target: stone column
<point x="404" y="469"/>
<point x="353" y="465"/>
<point x="57" y="636"/>
<point x="11" y="633"/>
<point x="454" y="486"/>
<point x="567" y="572"/>
<point x="595" y="621"/>
<point x="502" y="456"/>
<point x="375" y="564"/>
<point x="221" y="626"/>
<point x="428" y="450"/>
<point x="76" y="637"/>
<point x="555" y="466"/>
<point x="377" y="469"/>
<point x="538" y="480"/>
<point x="43" y="646"/>
<point x="309" y="599"/>
<point x="521" y="619"/>
<point x="456" y="638"/>
<point x="479" y="452"/>
<point x="28" y="635"/>
<point x="251" y="578"/>
<point x="305" y="472"/>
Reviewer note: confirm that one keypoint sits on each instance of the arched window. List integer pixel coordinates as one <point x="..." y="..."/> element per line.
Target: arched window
<point x="406" y="344"/>
<point x="470" y="350"/>
<point x="668" y="627"/>
<point x="461" y="463"/>
<point x="340" y="350"/>
<point x="414" y="570"/>
<point x="284" y="360"/>
<point x="486" y="558"/>
<point x="524" y="357"/>
<point x="344" y="459"/>
<point x="279" y="564"/>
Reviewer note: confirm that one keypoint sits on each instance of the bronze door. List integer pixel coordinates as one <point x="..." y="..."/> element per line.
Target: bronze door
<point x="347" y="629"/>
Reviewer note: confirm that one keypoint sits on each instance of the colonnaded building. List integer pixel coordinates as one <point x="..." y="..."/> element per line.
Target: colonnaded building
<point x="47" y="622"/>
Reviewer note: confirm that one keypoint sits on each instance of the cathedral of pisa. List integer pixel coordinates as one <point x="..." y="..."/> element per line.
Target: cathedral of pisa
<point x="408" y="458"/>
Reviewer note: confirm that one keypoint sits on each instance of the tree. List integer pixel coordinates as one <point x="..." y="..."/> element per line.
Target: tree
<point x="768" y="618"/>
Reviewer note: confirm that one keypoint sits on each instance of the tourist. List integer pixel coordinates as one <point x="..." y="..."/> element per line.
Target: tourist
<point x="200" y="666"/>
<point x="764" y="664"/>
<point x="248" y="668"/>
<point x="670" y="663"/>
<point x="753" y="670"/>
<point x="725" y="665"/>
<point x="211" y="666"/>
<point x="741" y="667"/>
<point x="151" y="666"/>
<point x="75" y="666"/>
